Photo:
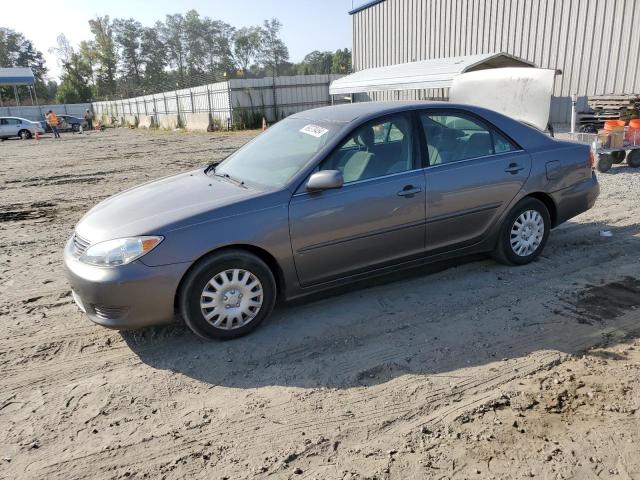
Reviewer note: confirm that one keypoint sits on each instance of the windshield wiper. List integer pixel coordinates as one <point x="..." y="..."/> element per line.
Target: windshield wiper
<point x="229" y="177"/>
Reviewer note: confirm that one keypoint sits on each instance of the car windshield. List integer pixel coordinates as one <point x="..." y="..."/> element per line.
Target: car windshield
<point x="276" y="155"/>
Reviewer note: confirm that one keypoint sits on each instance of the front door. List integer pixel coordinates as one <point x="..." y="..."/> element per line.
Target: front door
<point x="474" y="172"/>
<point x="376" y="218"/>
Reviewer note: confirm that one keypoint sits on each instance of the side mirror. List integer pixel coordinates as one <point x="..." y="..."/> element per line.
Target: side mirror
<point x="324" y="180"/>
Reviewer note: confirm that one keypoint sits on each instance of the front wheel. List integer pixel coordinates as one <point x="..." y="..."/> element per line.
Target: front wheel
<point x="524" y="233"/>
<point x="633" y="159"/>
<point x="24" y="134"/>
<point x="227" y="295"/>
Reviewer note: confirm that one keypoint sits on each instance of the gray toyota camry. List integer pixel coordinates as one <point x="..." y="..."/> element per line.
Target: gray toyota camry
<point x="324" y="197"/>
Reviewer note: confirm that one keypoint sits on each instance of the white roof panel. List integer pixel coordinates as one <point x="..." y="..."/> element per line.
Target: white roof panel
<point x="425" y="74"/>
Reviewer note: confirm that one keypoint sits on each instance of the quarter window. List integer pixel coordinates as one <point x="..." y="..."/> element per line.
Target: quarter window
<point x="379" y="148"/>
<point x="455" y="137"/>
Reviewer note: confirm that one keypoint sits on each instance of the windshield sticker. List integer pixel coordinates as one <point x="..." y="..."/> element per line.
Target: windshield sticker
<point x="314" y="130"/>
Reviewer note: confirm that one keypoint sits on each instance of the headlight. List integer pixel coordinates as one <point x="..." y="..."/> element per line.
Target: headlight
<point x="119" y="252"/>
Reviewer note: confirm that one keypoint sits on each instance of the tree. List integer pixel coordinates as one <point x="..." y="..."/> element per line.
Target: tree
<point x="341" y="61"/>
<point x="153" y="57"/>
<point x="87" y="52"/>
<point x="106" y="55"/>
<point x="273" y="52"/>
<point x="315" y="63"/>
<point x="74" y="87"/>
<point x="127" y="37"/>
<point x="64" y="50"/>
<point x="246" y="47"/>
<point x="218" y="37"/>
<point x="18" y="51"/>
<point x="76" y="73"/>
<point x="173" y="36"/>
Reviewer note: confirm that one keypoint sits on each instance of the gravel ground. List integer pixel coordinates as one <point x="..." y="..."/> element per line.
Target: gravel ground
<point x="464" y="370"/>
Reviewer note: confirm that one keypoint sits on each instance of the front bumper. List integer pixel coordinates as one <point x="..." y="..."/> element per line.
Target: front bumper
<point x="125" y="297"/>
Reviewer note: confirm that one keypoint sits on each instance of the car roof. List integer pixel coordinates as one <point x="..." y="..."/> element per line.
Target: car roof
<point x="20" y="118"/>
<point x="349" y="112"/>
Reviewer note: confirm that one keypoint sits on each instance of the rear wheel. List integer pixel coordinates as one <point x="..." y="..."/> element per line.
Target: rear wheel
<point x="633" y="159"/>
<point x="227" y="295"/>
<point x="24" y="134"/>
<point x="605" y="162"/>
<point x="524" y="233"/>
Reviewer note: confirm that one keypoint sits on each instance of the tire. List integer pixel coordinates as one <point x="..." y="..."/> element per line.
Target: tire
<point x="605" y="162"/>
<point x="530" y="213"/>
<point x="24" y="134"/>
<point x="75" y="127"/>
<point x="633" y="159"/>
<point x="618" y="156"/>
<point x="588" y="128"/>
<point x="214" y="280"/>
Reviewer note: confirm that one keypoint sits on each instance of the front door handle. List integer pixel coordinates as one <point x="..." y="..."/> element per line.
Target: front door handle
<point x="513" y="168"/>
<point x="409" y="191"/>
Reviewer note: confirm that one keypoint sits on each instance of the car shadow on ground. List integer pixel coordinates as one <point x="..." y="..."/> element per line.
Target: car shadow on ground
<point x="429" y="320"/>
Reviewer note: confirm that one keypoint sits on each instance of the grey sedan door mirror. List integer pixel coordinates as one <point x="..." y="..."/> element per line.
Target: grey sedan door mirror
<point x="325" y="179"/>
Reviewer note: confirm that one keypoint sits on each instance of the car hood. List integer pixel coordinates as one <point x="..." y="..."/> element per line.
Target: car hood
<point x="160" y="206"/>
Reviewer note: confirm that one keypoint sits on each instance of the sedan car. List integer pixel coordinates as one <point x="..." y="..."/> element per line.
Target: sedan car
<point x="18" y="127"/>
<point x="67" y="123"/>
<point x="324" y="197"/>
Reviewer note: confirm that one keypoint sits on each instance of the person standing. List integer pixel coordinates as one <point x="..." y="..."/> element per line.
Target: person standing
<point x="88" y="117"/>
<point x="53" y="122"/>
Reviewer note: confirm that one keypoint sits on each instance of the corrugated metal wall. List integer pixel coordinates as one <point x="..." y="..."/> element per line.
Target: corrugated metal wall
<point x="596" y="43"/>
<point x="292" y="94"/>
<point x="37" y="113"/>
<point x="223" y="99"/>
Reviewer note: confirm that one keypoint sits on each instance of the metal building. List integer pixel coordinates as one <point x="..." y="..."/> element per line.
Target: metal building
<point x="595" y="43"/>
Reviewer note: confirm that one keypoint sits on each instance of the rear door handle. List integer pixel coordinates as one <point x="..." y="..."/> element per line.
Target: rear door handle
<point x="513" y="168"/>
<point x="409" y="191"/>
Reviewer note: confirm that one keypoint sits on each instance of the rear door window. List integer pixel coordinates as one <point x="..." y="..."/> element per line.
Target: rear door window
<point x="452" y="137"/>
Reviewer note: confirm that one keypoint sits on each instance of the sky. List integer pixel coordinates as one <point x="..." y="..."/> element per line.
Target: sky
<point x="307" y="24"/>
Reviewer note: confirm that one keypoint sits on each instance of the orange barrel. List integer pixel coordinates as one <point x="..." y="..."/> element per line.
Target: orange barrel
<point x="611" y="124"/>
<point x="633" y="132"/>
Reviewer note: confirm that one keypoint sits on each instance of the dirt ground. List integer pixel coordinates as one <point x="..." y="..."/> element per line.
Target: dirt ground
<point x="464" y="370"/>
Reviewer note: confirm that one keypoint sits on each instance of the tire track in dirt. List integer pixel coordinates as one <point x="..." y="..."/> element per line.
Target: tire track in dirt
<point x="473" y="389"/>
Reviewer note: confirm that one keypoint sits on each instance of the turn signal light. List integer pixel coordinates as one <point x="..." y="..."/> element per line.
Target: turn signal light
<point x="591" y="161"/>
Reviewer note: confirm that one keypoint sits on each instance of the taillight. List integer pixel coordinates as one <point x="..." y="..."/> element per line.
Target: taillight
<point x="591" y="160"/>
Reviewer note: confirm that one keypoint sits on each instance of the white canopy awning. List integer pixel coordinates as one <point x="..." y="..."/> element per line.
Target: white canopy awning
<point x="16" y="76"/>
<point x="426" y="74"/>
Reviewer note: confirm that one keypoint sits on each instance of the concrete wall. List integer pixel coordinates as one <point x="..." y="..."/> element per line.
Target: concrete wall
<point x="146" y="121"/>
<point x="196" y="121"/>
<point x="596" y="43"/>
<point x="168" y="121"/>
<point x="131" y="120"/>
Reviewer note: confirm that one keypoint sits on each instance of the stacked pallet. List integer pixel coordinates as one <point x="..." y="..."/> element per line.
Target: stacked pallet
<point x="615" y="102"/>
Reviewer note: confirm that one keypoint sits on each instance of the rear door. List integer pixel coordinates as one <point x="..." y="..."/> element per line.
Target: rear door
<point x="376" y="218"/>
<point x="474" y="172"/>
<point x="11" y="127"/>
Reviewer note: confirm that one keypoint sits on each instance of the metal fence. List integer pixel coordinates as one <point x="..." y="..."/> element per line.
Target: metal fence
<point x="238" y="103"/>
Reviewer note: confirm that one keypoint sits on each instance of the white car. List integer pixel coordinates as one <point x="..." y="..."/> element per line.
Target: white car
<point x="18" y="127"/>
